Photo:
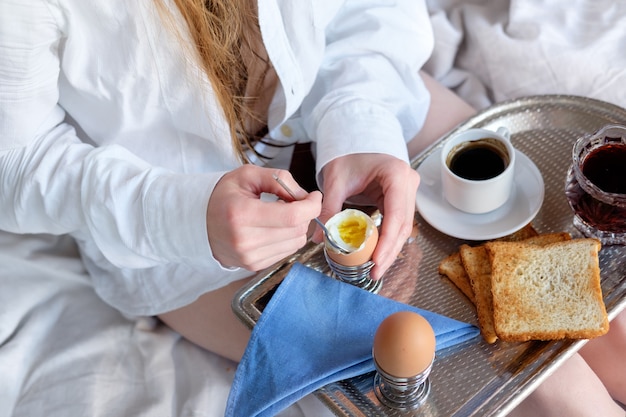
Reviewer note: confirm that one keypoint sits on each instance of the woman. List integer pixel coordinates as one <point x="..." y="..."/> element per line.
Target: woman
<point x="128" y="125"/>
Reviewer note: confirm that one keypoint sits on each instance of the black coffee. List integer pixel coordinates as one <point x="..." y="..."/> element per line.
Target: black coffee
<point x="477" y="161"/>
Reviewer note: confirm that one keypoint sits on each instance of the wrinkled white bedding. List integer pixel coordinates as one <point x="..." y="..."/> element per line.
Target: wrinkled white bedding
<point x="63" y="352"/>
<point x="489" y="51"/>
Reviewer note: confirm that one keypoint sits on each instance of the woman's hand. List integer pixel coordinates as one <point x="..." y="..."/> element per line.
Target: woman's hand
<point x="245" y="231"/>
<point x="377" y="179"/>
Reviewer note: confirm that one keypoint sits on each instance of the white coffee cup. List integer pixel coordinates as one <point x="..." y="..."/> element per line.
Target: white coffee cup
<point x="472" y="179"/>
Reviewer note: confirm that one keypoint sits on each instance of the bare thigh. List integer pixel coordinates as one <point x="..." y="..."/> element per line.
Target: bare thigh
<point x="447" y="110"/>
<point x="606" y="355"/>
<point x="574" y="390"/>
<point x="211" y="323"/>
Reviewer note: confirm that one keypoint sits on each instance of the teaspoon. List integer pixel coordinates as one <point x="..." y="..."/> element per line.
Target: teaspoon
<point x="329" y="237"/>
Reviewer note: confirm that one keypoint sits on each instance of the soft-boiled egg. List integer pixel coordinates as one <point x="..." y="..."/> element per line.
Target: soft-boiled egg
<point x="404" y="344"/>
<point x="356" y="231"/>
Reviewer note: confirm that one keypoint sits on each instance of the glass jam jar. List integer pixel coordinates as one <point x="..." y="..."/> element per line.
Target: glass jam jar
<point x="596" y="185"/>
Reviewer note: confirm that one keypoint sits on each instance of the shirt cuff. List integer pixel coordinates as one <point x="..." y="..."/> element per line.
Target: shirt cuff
<point x="346" y="130"/>
<point x="175" y="215"/>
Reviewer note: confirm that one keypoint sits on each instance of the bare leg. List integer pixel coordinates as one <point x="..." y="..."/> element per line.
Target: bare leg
<point x="606" y="355"/>
<point x="574" y="390"/>
<point x="210" y="323"/>
<point x="447" y="110"/>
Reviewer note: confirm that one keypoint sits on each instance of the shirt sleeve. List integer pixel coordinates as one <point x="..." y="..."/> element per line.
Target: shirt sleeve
<point x="138" y="215"/>
<point x="368" y="96"/>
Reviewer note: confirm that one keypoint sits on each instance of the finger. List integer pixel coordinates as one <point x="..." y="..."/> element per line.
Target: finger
<point x="238" y="220"/>
<point x="265" y="256"/>
<point x="279" y="214"/>
<point x="399" y="209"/>
<point x="259" y="223"/>
<point x="248" y="247"/>
<point x="286" y="186"/>
<point x="253" y="181"/>
<point x="250" y="210"/>
<point x="334" y="197"/>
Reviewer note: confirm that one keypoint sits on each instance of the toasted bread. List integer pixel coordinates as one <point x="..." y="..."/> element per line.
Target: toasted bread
<point x="547" y="292"/>
<point x="521" y="234"/>
<point x="452" y="267"/>
<point x="477" y="264"/>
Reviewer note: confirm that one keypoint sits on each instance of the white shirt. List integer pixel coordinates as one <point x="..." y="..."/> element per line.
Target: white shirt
<point x="109" y="134"/>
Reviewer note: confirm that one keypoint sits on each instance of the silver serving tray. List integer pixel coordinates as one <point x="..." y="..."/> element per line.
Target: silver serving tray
<point x="476" y="378"/>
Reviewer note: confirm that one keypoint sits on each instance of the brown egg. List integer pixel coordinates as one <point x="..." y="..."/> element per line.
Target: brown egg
<point x="404" y="344"/>
<point x="353" y="230"/>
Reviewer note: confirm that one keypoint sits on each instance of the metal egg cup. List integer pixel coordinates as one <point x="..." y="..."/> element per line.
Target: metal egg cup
<point x="358" y="275"/>
<point x="402" y="393"/>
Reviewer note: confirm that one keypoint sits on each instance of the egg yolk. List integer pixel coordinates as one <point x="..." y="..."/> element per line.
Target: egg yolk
<point x="352" y="231"/>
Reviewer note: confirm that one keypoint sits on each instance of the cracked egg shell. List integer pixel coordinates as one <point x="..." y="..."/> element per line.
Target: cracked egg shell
<point x="356" y="231"/>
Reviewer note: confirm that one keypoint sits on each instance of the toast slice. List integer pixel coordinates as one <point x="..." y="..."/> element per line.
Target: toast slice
<point x="477" y="264"/>
<point x="475" y="260"/>
<point x="547" y="292"/>
<point x="452" y="267"/>
<point x="524" y="233"/>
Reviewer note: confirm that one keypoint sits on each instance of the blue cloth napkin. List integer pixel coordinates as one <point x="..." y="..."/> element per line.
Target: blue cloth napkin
<point x="314" y="331"/>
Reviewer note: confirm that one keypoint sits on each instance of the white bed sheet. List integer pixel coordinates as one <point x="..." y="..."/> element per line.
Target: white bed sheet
<point x="63" y="352"/>
<point x="489" y="51"/>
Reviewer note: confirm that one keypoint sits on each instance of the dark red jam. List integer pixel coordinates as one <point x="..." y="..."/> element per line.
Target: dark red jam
<point x="597" y="214"/>
<point x="606" y="168"/>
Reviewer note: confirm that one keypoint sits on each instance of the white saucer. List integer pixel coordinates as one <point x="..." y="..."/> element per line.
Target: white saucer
<point x="520" y="209"/>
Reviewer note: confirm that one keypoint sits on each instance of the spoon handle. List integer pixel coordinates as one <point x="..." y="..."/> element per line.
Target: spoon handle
<point x="282" y="184"/>
<point x="330" y="239"/>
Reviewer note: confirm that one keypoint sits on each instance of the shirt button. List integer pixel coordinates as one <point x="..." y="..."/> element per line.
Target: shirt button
<point x="286" y="130"/>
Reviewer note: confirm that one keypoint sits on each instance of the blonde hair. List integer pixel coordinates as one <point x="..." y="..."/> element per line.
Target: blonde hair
<point x="224" y="33"/>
